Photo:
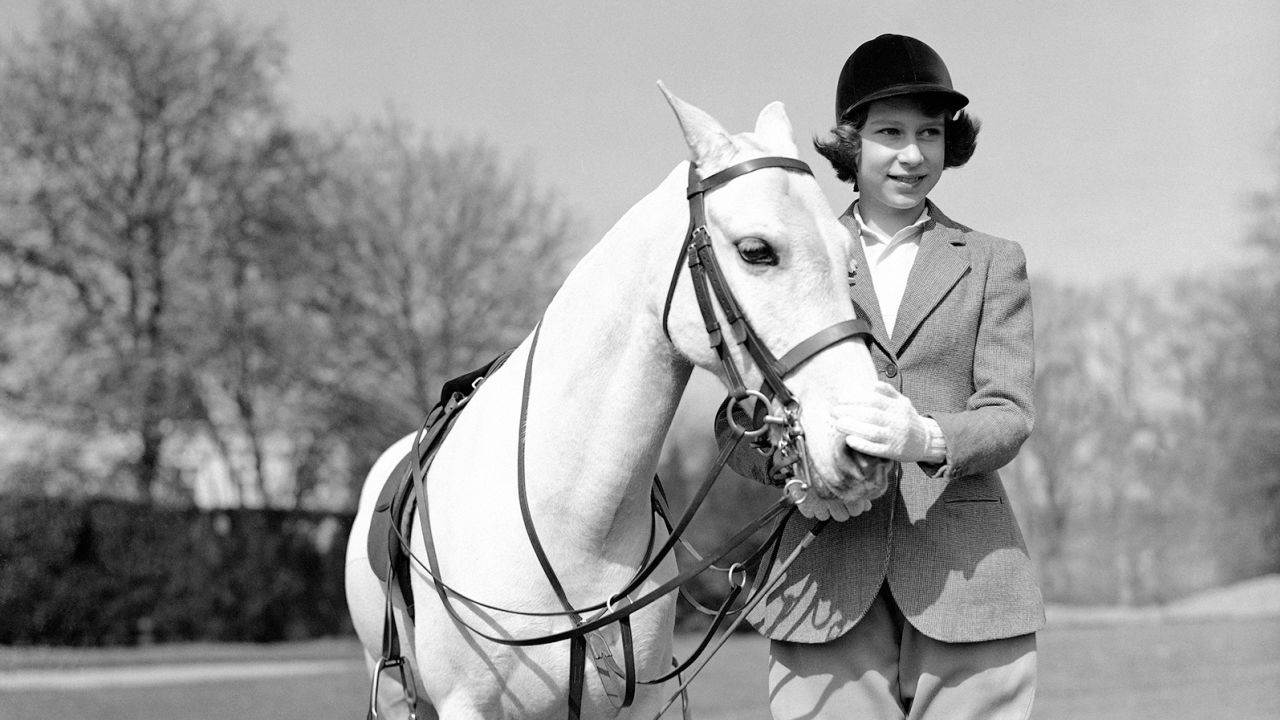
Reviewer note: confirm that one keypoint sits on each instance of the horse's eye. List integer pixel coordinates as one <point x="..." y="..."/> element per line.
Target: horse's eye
<point x="756" y="252"/>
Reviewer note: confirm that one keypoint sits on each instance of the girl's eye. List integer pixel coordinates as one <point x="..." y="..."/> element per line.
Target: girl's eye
<point x="755" y="251"/>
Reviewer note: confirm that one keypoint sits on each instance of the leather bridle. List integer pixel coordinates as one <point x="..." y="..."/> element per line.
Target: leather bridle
<point x="708" y="280"/>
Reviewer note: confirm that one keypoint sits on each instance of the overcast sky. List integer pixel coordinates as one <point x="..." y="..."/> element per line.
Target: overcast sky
<point x="1119" y="137"/>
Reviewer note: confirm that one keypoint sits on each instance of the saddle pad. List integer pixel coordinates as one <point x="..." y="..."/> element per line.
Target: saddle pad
<point x="388" y="556"/>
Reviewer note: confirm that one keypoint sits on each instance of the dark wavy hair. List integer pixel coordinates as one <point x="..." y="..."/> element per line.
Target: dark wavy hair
<point x="843" y="147"/>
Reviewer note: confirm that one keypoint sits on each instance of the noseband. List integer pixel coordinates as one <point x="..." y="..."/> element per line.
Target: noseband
<point x="708" y="280"/>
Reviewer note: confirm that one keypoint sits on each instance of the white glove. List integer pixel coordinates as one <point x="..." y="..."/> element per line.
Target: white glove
<point x="816" y="508"/>
<point x="883" y="422"/>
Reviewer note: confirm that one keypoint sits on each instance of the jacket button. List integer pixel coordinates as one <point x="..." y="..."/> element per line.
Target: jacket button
<point x="890" y="370"/>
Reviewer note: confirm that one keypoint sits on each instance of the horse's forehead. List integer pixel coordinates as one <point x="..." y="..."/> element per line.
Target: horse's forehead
<point x="786" y="203"/>
<point x="773" y="206"/>
<point x="774" y="197"/>
<point x="768" y="191"/>
<point x="754" y="143"/>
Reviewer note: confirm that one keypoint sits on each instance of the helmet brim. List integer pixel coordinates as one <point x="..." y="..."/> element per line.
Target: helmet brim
<point x="957" y="101"/>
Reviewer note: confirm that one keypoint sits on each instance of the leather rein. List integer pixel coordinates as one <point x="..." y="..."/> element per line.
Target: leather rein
<point x="708" y="282"/>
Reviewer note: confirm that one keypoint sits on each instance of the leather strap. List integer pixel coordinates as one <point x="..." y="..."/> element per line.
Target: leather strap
<point x="578" y="643"/>
<point x="765" y="587"/>
<point x="522" y="485"/>
<point x="778" y="509"/>
<point x="717" y="179"/>
<point x="821" y="340"/>
<point x="577" y="674"/>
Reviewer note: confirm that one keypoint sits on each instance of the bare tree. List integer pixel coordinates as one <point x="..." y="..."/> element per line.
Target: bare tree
<point x="435" y="258"/>
<point x="187" y="270"/>
<point x="1245" y="389"/>
<point x="249" y="364"/>
<point x="113" y="124"/>
<point x="1155" y="448"/>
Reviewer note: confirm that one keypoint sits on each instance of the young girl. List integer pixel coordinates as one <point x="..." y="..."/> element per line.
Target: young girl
<point x="925" y="605"/>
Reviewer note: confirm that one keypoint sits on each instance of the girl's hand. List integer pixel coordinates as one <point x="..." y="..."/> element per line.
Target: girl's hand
<point x="883" y="422"/>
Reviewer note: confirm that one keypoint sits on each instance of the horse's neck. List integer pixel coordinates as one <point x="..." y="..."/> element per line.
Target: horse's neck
<point x="605" y="381"/>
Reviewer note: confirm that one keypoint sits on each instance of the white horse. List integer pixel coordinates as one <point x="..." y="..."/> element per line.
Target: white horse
<point x="604" y="385"/>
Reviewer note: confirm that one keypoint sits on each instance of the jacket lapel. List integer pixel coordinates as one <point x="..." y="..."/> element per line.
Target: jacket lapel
<point x="861" y="289"/>
<point x="940" y="263"/>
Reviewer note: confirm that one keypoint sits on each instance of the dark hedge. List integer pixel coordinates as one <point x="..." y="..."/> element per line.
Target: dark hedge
<point x="105" y="572"/>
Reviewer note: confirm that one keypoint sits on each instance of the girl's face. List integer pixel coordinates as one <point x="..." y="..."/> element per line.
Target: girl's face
<point x="902" y="156"/>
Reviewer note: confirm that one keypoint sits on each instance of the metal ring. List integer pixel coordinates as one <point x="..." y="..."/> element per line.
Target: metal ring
<point x="735" y="402"/>
<point x="608" y="603"/>
<point x="737" y="566"/>
<point x="803" y="491"/>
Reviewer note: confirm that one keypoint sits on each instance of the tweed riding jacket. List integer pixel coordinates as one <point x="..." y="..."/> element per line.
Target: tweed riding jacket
<point x="944" y="537"/>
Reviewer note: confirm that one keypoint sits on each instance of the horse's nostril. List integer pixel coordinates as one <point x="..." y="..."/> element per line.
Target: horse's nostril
<point x="860" y="466"/>
<point x="859" y="460"/>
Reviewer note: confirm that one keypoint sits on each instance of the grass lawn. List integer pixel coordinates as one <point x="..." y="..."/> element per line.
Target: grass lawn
<point x="1181" y="670"/>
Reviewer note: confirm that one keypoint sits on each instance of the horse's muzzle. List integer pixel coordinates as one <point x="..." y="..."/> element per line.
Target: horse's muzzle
<point x="859" y="476"/>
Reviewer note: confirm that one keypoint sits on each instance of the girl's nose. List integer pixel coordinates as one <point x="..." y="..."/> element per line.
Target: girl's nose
<point x="910" y="154"/>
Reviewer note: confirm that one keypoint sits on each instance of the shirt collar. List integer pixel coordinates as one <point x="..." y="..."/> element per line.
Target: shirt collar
<point x="870" y="236"/>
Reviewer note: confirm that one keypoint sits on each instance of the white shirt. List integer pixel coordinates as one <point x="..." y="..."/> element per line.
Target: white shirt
<point x="889" y="260"/>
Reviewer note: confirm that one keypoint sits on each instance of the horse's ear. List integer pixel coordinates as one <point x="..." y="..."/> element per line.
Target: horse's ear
<point x="705" y="136"/>
<point x="773" y="123"/>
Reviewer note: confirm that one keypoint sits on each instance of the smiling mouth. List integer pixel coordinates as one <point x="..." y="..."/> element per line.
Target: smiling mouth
<point x="908" y="179"/>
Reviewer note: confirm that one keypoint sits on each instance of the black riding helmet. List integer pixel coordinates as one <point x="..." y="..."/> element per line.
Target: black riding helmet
<point x="892" y="65"/>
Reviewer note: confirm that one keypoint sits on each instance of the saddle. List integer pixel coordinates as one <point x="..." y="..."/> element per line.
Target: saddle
<point x="393" y="513"/>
